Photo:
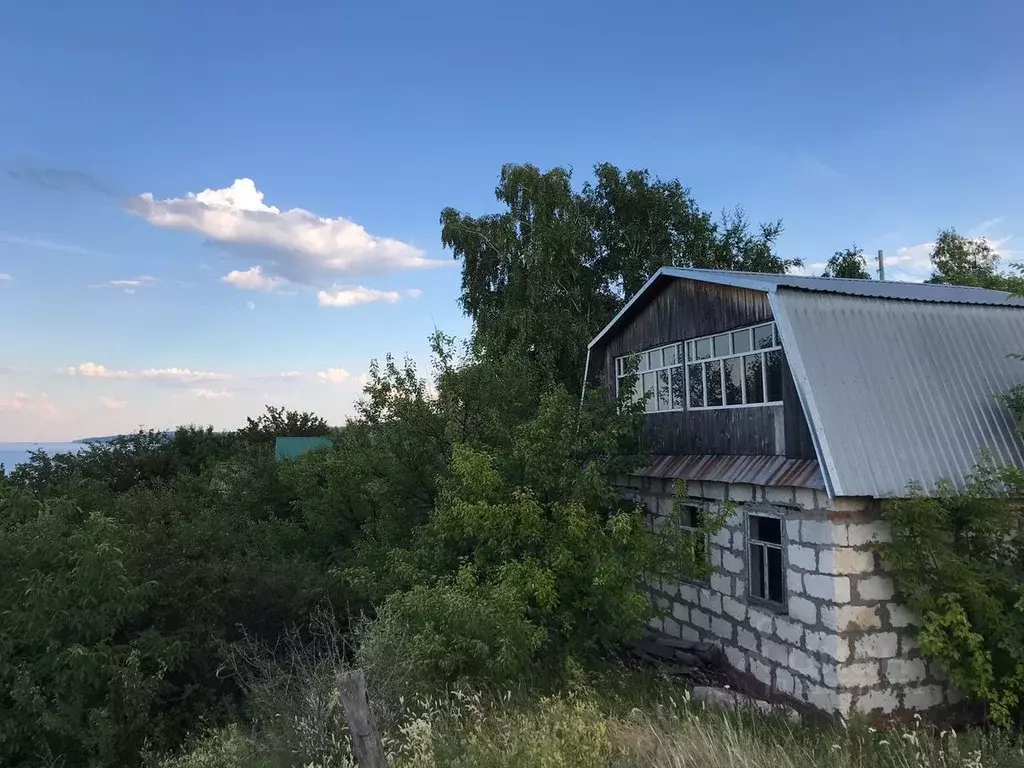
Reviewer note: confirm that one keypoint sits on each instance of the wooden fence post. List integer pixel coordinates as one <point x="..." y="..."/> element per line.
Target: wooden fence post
<point x="366" y="746"/>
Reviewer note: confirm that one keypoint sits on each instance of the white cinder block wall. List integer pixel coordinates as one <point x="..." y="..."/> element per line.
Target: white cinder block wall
<point x="840" y="643"/>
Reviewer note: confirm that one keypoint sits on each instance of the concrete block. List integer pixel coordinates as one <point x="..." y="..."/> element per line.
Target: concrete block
<point x="779" y="495"/>
<point x="903" y="671"/>
<point x="722" y="628"/>
<point x="689" y="632"/>
<point x="742" y="492"/>
<point x="716" y="557"/>
<point x="804" y="664"/>
<point x="817" y="532"/>
<point x="672" y="628"/>
<point x="804" y="497"/>
<point x="722" y="538"/>
<point x="835" y="589"/>
<point x="700" y="619"/>
<point x="900" y="616"/>
<point x="688" y="594"/>
<point x="829" y="674"/>
<point x="760" y="621"/>
<point x="681" y="612"/>
<point x="761" y="672"/>
<point x="880" y="645"/>
<point x="803" y="610"/>
<point x="859" y="674"/>
<point x="784" y="681"/>
<point x="737" y="541"/>
<point x="746" y="639"/>
<point x="734" y="608"/>
<point x="850" y="561"/>
<point x="875" y="588"/>
<point x="794" y="582"/>
<point x="802" y="557"/>
<point x="711" y="600"/>
<point x="850" y="618"/>
<point x="716" y="491"/>
<point x="820" y="697"/>
<point x="721" y="583"/>
<point x="883" y="700"/>
<point x="908" y="646"/>
<point x="736" y="658"/>
<point x="788" y="631"/>
<point x="827" y="645"/>
<point x="848" y="504"/>
<point x="732" y="562"/>
<point x="862" y="534"/>
<point x="773" y="651"/>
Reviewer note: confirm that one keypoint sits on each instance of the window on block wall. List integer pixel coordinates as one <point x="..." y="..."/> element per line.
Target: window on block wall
<point x="692" y="519"/>
<point x="765" y="567"/>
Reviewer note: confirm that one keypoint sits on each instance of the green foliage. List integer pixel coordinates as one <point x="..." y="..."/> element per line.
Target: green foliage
<point x="958" y="561"/>
<point x="848" y="263"/>
<point x="541" y="278"/>
<point x="960" y="260"/>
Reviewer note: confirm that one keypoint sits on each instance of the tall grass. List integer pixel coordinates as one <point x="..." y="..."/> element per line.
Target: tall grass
<point x="614" y="719"/>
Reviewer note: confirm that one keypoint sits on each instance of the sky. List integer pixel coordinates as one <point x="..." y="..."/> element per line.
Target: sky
<point x="207" y="207"/>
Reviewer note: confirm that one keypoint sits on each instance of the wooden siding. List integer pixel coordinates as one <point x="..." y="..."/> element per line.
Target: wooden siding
<point x="685" y="309"/>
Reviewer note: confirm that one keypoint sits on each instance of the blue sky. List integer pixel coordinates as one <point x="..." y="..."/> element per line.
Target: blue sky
<point x="131" y="296"/>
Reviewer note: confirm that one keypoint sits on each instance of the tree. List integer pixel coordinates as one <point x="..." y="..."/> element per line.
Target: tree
<point x="277" y="422"/>
<point x="849" y="263"/>
<point x="960" y="260"/>
<point x="540" y="279"/>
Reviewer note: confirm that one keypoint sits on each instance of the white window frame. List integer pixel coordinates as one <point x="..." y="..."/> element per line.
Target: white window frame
<point x="779" y="605"/>
<point x="690" y="347"/>
<point x="622" y="365"/>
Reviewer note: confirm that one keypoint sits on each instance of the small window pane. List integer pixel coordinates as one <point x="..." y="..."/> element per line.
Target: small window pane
<point x="678" y="388"/>
<point x="733" y="381"/>
<point x="713" y="371"/>
<point x="767" y="529"/>
<point x="763" y="337"/>
<point x="642" y="362"/>
<point x="755" y="385"/>
<point x="722" y="345"/>
<point x="703" y="349"/>
<point x="778" y="341"/>
<point x="741" y="341"/>
<point x="774" y="376"/>
<point x="664" y="398"/>
<point x="618" y="366"/>
<point x="689" y="351"/>
<point x="638" y="390"/>
<point x="655" y="359"/>
<point x="670" y="355"/>
<point x="696" y="385"/>
<point x="649" y="402"/>
<point x="775" y="575"/>
<point x="757" y="585"/>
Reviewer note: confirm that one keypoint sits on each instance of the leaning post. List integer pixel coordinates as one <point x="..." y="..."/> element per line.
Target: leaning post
<point x="366" y="745"/>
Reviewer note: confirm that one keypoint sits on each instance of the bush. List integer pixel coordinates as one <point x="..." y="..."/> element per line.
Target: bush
<point x="958" y="562"/>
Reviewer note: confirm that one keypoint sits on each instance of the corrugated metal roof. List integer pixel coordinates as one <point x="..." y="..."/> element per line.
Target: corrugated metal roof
<point x="896" y="391"/>
<point x="758" y="470"/>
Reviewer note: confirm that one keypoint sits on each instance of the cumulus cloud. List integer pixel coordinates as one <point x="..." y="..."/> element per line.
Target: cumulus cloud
<point x="113" y="403"/>
<point x="41" y="404"/>
<point x="350" y="297"/>
<point x="304" y="248"/>
<point x="253" y="279"/>
<point x="178" y="375"/>
<point x="213" y="394"/>
<point x="332" y="376"/>
<point x="5" y="276"/>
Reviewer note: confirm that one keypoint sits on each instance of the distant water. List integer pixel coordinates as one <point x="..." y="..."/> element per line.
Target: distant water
<point x="12" y="454"/>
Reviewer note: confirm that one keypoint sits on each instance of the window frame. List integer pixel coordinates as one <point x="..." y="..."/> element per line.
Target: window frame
<point x="772" y="514"/>
<point x="700" y="506"/>
<point x="685" y="356"/>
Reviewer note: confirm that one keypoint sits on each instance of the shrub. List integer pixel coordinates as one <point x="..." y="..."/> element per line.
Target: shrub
<point x="958" y="562"/>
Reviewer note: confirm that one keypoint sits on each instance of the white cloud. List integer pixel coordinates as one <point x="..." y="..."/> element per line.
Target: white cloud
<point x="42" y="404"/>
<point x="332" y="376"/>
<point x="250" y="305"/>
<point x="253" y="279"/>
<point x="213" y="394"/>
<point x="113" y="403"/>
<point x="350" y="297"/>
<point x="4" y="276"/>
<point x="414" y="293"/>
<point x="128" y="286"/>
<point x="307" y="248"/>
<point x="180" y="375"/>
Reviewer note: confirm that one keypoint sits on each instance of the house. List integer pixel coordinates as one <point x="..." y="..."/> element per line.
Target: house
<point x="808" y="401"/>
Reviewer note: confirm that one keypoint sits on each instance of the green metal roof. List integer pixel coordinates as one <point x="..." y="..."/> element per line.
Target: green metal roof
<point x="293" y="447"/>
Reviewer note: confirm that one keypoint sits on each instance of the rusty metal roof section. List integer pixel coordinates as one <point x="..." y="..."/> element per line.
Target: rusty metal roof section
<point x="757" y="470"/>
